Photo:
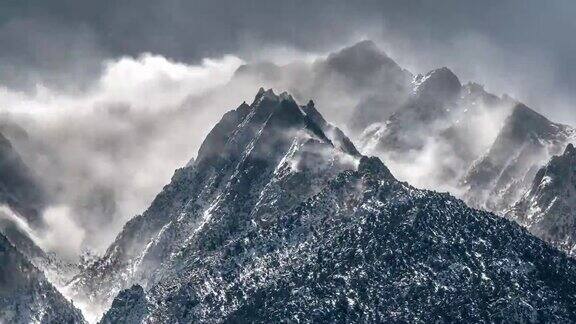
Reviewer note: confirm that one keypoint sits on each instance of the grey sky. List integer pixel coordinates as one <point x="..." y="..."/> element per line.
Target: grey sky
<point x="524" y="47"/>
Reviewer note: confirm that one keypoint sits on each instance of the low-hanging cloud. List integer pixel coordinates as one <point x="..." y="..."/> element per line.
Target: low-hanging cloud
<point x="105" y="152"/>
<point x="61" y="235"/>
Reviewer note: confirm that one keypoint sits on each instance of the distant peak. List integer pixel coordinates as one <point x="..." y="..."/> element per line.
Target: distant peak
<point x="523" y="113"/>
<point x="265" y="70"/>
<point x="440" y="83"/>
<point x="363" y="49"/>
<point x="361" y="58"/>
<point x="524" y="122"/>
<point x="368" y="45"/>
<point x="509" y="99"/>
<point x="443" y="73"/>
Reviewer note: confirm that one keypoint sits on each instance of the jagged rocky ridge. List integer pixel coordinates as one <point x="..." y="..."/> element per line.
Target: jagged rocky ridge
<point x="524" y="144"/>
<point x="433" y="95"/>
<point x="26" y="296"/>
<point x="548" y="209"/>
<point x="430" y="124"/>
<point x="392" y="113"/>
<point x="439" y="122"/>
<point x="278" y="220"/>
<point x="258" y="161"/>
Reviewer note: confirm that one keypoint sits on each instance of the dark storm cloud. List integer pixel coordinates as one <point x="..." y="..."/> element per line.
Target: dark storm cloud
<point x="526" y="42"/>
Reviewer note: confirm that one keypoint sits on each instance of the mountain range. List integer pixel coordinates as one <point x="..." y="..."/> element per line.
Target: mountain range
<point x="281" y="217"/>
<point x="279" y="220"/>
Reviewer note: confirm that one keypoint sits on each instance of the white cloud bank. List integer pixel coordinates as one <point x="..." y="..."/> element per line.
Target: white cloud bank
<point x="105" y="152"/>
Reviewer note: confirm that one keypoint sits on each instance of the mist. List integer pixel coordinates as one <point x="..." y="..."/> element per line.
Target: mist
<point x="104" y="153"/>
<point x="113" y="97"/>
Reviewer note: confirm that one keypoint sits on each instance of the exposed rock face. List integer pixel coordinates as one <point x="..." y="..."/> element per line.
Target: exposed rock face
<point x="25" y="294"/>
<point x="548" y="209"/>
<point x="525" y="143"/>
<point x="278" y="220"/>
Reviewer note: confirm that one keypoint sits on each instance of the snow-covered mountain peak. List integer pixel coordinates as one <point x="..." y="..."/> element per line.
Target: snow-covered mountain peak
<point x="526" y="141"/>
<point x="363" y="56"/>
<point x="259" y="159"/>
<point x="440" y="85"/>
<point x="374" y="166"/>
<point x="524" y="122"/>
<point x="364" y="66"/>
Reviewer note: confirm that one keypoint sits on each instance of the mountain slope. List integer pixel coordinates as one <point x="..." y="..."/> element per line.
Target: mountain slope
<point x="370" y="249"/>
<point x="257" y="161"/>
<point x="525" y="143"/>
<point x="391" y="253"/>
<point x="548" y="209"/>
<point x="274" y="222"/>
<point x="25" y="294"/>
